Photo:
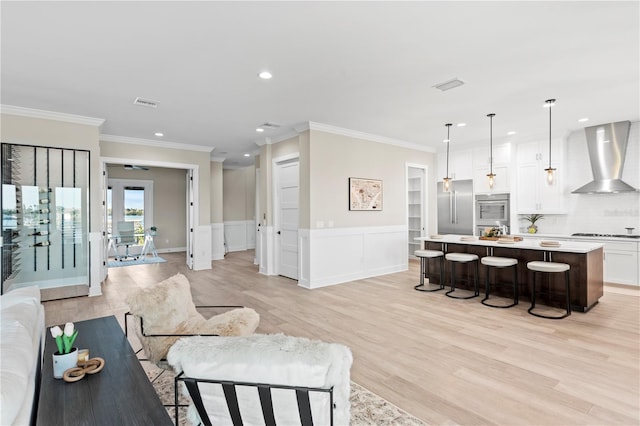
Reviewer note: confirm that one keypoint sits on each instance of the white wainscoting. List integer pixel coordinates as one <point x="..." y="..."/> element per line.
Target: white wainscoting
<point x="335" y="255"/>
<point x="202" y="248"/>
<point x="240" y="235"/>
<point x="96" y="265"/>
<point x="217" y="241"/>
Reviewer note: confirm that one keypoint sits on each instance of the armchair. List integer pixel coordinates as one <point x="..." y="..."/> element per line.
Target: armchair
<point x="263" y="379"/>
<point x="165" y="312"/>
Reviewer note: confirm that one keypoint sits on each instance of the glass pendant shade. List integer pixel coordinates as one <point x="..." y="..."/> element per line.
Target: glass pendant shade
<point x="492" y="179"/>
<point x="446" y="181"/>
<point x="446" y="184"/>
<point x="550" y="170"/>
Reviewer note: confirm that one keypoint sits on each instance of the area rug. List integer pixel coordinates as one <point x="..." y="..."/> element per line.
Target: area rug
<point x="142" y="261"/>
<point x="367" y="408"/>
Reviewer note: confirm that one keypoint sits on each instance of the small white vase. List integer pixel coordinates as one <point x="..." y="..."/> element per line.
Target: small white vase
<point x="62" y="363"/>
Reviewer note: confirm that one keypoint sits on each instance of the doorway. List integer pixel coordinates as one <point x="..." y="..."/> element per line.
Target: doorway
<point x="287" y="177"/>
<point x="136" y="193"/>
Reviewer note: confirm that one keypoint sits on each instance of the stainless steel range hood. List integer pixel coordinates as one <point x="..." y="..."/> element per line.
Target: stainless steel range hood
<point x="607" y="144"/>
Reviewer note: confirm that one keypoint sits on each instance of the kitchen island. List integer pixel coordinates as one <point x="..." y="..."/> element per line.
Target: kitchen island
<point x="585" y="259"/>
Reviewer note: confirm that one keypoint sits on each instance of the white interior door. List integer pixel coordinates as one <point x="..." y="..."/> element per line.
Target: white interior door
<point x="287" y="195"/>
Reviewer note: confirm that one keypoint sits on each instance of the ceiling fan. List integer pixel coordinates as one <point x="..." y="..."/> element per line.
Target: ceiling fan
<point x="134" y="167"/>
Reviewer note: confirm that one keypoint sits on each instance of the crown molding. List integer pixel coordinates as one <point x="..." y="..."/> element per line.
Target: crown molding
<point x="327" y="128"/>
<point x="51" y="115"/>
<point x="217" y="159"/>
<point x="157" y="144"/>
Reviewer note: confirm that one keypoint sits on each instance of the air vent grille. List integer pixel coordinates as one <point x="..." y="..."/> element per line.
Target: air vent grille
<point x="149" y="103"/>
<point x="451" y="84"/>
<point x="270" y="125"/>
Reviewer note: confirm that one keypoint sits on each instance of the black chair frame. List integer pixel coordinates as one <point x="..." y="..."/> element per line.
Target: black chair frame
<point x="515" y="287"/>
<point x="567" y="291"/>
<point x="424" y="272"/>
<point x="126" y="333"/>
<point x="476" y="281"/>
<point x="264" y="393"/>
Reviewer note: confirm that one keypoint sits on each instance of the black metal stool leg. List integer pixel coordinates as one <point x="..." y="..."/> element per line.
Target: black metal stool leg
<point x="566" y="280"/>
<point x="424" y="272"/>
<point x="516" y="285"/>
<point x="442" y="273"/>
<point x="476" y="286"/>
<point x="533" y="299"/>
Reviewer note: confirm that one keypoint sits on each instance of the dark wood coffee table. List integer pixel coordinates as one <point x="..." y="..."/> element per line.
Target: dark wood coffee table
<point x="120" y="394"/>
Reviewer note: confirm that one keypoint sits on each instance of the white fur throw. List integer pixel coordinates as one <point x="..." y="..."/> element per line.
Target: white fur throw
<point x="167" y="308"/>
<point x="272" y="359"/>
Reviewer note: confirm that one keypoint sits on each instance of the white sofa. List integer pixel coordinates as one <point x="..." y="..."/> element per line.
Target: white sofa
<point x="22" y="329"/>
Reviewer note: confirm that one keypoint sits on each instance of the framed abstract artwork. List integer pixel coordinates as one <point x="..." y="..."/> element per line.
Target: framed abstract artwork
<point x="365" y="194"/>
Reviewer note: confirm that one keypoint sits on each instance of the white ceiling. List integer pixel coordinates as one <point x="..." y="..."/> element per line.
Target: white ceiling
<point x="363" y="66"/>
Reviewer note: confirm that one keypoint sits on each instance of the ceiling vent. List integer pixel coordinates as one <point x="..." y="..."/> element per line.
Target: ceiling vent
<point x="149" y="103"/>
<point x="268" y="125"/>
<point x="451" y="84"/>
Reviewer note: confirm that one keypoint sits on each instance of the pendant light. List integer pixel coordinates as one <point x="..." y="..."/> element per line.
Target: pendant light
<point x="491" y="176"/>
<point x="446" y="181"/>
<point x="550" y="170"/>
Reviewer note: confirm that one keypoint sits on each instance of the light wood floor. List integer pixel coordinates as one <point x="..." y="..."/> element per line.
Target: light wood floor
<point x="445" y="361"/>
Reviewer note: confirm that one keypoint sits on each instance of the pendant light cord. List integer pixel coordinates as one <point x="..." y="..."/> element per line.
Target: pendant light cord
<point x="448" y="140"/>
<point x="550" y="102"/>
<point x="491" y="141"/>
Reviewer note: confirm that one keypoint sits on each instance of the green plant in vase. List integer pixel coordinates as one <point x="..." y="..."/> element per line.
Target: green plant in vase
<point x="64" y="339"/>
<point x="533" y="218"/>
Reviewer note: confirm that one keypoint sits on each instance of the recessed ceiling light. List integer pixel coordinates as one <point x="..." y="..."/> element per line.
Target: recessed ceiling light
<point x="247" y="155"/>
<point x="259" y="130"/>
<point x="582" y="120"/>
<point x="159" y="134"/>
<point x="265" y="75"/>
<point x="461" y="124"/>
<point x="511" y="133"/>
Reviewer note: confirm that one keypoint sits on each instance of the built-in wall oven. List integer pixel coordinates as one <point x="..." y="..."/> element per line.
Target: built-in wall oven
<point x="492" y="211"/>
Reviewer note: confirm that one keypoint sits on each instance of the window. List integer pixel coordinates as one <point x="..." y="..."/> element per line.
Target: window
<point x="130" y="200"/>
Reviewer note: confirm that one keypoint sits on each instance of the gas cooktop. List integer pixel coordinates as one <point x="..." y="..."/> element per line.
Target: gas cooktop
<point x="583" y="234"/>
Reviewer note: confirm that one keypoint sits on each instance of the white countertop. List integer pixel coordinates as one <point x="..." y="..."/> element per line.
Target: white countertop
<point x="529" y="243"/>
<point x="571" y="237"/>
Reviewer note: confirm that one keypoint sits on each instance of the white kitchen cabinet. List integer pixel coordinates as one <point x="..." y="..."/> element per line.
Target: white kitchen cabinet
<point x="502" y="181"/>
<point x="460" y="165"/>
<point x="533" y="193"/>
<point x="621" y="260"/>
<point x="501" y="168"/>
<point x="621" y="263"/>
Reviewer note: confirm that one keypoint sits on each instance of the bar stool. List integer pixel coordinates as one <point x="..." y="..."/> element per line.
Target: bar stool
<point x="500" y="262"/>
<point x="549" y="267"/>
<point x="424" y="256"/>
<point x="462" y="258"/>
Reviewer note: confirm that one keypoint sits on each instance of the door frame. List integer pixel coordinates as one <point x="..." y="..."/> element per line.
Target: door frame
<point x="192" y="220"/>
<point x="425" y="195"/>
<point x="276" y="163"/>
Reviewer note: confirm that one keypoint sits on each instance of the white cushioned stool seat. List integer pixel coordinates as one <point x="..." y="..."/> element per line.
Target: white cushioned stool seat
<point x="461" y="257"/>
<point x="427" y="253"/>
<point x="499" y="262"/>
<point x="548" y="266"/>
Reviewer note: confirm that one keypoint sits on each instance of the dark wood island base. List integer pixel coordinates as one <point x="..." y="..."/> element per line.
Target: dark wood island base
<point x="586" y="274"/>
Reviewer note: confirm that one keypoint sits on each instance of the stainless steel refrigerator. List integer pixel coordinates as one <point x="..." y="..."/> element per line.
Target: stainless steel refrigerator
<point x="455" y="208"/>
